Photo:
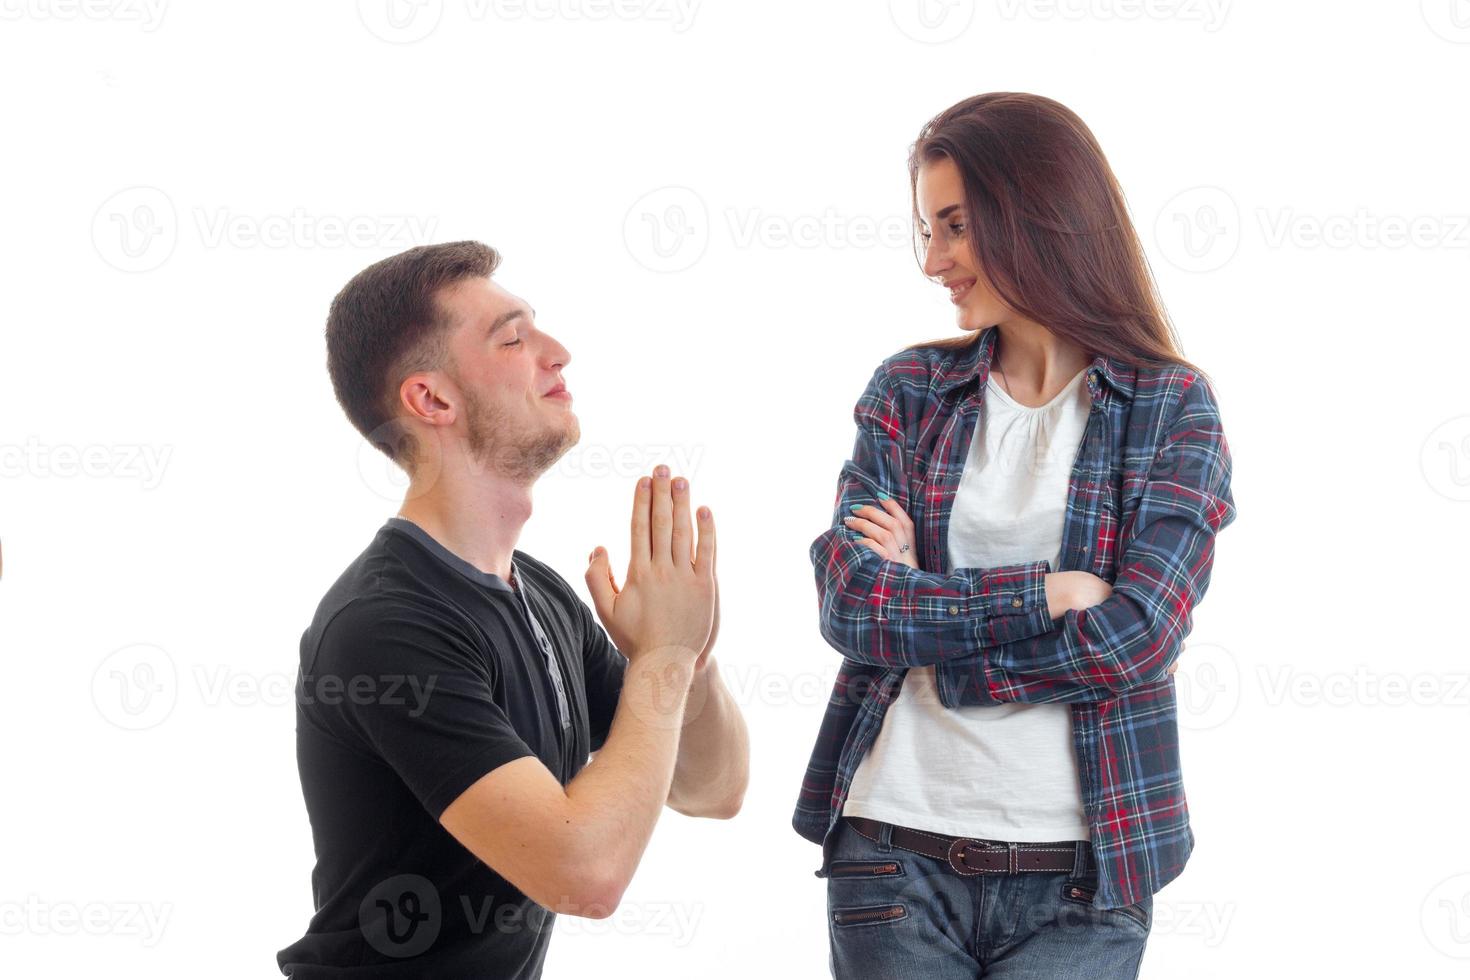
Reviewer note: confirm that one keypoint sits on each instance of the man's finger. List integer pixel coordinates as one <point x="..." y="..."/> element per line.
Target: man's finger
<point x="600" y="584"/>
<point x="682" y="540"/>
<point x="704" y="558"/>
<point x="640" y="541"/>
<point x="662" y="516"/>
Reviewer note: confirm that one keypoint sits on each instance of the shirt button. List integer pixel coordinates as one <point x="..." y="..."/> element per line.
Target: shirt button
<point x="1016" y="601"/>
<point x="954" y="610"/>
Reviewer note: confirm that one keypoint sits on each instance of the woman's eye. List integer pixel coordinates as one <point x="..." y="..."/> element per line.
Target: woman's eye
<point x="512" y="343"/>
<point x="957" y="229"/>
<point x="925" y="235"/>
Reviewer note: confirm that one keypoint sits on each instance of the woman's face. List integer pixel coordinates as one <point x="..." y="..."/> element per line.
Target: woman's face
<point x="948" y="257"/>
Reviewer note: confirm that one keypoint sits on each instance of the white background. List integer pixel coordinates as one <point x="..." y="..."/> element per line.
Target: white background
<point x="179" y="486"/>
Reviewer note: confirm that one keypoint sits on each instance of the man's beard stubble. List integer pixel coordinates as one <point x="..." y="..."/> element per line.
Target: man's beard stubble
<point x="522" y="455"/>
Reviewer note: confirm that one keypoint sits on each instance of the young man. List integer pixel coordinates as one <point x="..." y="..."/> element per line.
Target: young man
<point x="452" y="686"/>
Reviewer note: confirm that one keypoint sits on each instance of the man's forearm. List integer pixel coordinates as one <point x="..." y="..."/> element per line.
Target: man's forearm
<point x="713" y="764"/>
<point x="618" y="796"/>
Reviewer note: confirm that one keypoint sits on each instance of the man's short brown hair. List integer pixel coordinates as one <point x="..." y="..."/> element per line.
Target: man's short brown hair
<point x="386" y="324"/>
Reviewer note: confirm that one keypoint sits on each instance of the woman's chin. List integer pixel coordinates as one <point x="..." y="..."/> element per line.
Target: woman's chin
<point x="968" y="321"/>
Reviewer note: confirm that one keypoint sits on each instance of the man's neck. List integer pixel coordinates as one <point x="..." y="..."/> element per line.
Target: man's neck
<point x="478" y="517"/>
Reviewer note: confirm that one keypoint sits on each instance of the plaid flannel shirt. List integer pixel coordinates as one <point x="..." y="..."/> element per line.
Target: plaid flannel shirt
<point x="1148" y="493"/>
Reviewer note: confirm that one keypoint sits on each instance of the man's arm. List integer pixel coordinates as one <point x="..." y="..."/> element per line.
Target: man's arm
<point x="713" y="765"/>
<point x="574" y="849"/>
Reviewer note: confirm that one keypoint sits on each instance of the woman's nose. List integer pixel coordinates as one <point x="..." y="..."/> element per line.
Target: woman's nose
<point x="936" y="259"/>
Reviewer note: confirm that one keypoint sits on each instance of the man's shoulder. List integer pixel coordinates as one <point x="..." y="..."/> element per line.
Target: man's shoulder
<point x="375" y="597"/>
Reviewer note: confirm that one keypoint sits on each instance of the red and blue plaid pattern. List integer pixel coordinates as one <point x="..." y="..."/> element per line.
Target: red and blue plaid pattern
<point x="1148" y="493"/>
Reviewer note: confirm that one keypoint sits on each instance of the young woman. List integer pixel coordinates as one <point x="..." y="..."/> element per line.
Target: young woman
<point x="1022" y="532"/>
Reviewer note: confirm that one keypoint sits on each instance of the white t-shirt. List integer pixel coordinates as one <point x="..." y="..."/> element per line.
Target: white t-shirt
<point x="1003" y="771"/>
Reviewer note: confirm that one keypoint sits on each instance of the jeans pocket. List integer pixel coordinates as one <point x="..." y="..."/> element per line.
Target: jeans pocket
<point x="867" y="915"/>
<point x="865" y="868"/>
<point x="1080" y="891"/>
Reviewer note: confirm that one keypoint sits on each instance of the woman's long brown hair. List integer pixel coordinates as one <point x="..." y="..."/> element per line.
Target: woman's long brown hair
<point x="1049" y="225"/>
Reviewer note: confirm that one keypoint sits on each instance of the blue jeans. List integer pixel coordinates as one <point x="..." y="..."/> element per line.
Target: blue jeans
<point x="896" y="915"/>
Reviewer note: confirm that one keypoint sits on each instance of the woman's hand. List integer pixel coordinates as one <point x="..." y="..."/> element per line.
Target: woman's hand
<point x="888" y="530"/>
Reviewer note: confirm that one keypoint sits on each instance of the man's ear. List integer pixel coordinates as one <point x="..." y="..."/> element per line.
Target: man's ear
<point x="429" y="397"/>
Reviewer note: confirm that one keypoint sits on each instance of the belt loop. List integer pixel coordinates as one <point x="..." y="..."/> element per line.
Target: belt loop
<point x="1082" y="863"/>
<point x="885" y="836"/>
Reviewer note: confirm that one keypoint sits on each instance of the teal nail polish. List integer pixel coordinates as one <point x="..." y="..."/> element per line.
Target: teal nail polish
<point x="855" y="508"/>
<point x="883" y="496"/>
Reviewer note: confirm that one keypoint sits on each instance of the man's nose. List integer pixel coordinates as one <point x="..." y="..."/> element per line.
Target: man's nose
<point x="554" y="354"/>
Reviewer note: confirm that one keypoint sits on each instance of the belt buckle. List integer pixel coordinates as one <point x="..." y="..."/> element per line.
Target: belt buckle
<point x="956" y="857"/>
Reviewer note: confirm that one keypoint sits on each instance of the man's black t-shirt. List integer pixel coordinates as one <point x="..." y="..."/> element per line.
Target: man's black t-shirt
<point x="420" y="674"/>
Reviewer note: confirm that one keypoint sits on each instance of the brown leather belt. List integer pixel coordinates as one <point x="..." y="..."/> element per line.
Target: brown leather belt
<point x="969" y="856"/>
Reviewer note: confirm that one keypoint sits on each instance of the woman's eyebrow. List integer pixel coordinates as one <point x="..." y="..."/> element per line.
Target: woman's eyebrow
<point x="946" y="212"/>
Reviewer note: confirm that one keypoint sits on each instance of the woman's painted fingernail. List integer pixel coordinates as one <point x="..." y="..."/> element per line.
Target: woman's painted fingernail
<point x="883" y="496"/>
<point x="855" y="508"/>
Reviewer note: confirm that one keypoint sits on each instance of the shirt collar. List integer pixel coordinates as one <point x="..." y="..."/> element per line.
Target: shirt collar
<point x="974" y="363"/>
<point x="487" y="579"/>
